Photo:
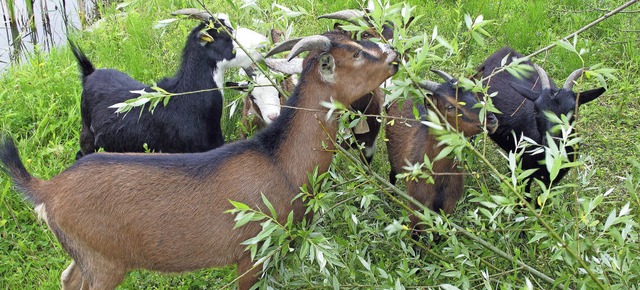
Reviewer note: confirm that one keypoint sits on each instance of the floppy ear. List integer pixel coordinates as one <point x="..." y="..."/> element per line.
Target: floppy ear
<point x="327" y="67"/>
<point x="243" y="87"/>
<point x="590" y="95"/>
<point x="525" y="92"/>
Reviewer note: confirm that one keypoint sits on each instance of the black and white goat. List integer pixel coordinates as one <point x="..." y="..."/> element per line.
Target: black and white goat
<point x="188" y="123"/>
<point x="522" y="103"/>
<point x="262" y="103"/>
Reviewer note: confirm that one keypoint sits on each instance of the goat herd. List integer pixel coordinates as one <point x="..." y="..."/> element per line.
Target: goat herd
<point x="115" y="212"/>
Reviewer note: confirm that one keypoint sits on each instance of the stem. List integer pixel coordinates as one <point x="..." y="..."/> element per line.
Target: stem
<point x="458" y="228"/>
<point x="593" y="23"/>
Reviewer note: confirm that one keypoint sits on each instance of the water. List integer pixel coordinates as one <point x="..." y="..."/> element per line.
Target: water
<point x="46" y="27"/>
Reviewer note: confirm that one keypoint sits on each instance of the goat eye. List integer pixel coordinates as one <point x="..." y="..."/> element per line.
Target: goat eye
<point x="366" y="35"/>
<point x="450" y="108"/>
<point x="357" y="54"/>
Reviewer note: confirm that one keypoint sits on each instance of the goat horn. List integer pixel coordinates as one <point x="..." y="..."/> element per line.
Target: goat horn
<point x="568" y="84"/>
<point x="286" y="67"/>
<point x="429" y="85"/>
<point x="285" y="46"/>
<point x="544" y="78"/>
<point x="349" y="15"/>
<point x="447" y="77"/>
<point x="308" y="43"/>
<point x="250" y="71"/>
<point x="193" y="13"/>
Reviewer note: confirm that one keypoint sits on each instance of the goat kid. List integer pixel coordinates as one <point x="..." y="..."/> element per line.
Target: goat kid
<point x="523" y="103"/>
<point x="408" y="142"/>
<point x="188" y="124"/>
<point x="115" y="212"/>
<point x="262" y="103"/>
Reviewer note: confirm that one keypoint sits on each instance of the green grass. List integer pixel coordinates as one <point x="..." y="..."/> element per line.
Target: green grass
<point x="39" y="107"/>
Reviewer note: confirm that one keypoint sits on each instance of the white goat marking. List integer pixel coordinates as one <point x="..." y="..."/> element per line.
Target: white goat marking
<point x="41" y="211"/>
<point x="218" y="76"/>
<point x="252" y="42"/>
<point x="266" y="97"/>
<point x="370" y="151"/>
<point x="224" y="18"/>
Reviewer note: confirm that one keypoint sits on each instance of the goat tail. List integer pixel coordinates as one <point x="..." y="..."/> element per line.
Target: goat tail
<point x="13" y="166"/>
<point x="86" y="67"/>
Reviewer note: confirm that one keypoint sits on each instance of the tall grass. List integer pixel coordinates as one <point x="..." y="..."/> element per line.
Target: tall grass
<point x="39" y="106"/>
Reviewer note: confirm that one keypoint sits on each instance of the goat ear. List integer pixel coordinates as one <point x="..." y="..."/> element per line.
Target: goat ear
<point x="434" y="100"/>
<point x="337" y="27"/>
<point x="406" y="25"/>
<point x="590" y="95"/>
<point x="326" y="66"/>
<point x="525" y="92"/>
<point x="204" y="38"/>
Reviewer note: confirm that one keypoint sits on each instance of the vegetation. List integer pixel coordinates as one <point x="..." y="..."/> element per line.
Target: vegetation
<point x="584" y="235"/>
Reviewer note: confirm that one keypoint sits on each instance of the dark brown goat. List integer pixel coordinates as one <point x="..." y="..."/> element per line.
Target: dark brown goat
<point x="166" y="212"/>
<point x="409" y="141"/>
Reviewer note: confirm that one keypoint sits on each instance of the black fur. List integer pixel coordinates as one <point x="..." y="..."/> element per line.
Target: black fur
<point x="189" y="123"/>
<point x="266" y="142"/>
<point x="522" y="116"/>
<point x="13" y="166"/>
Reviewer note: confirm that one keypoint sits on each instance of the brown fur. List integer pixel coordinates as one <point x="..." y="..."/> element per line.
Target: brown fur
<point x="409" y="141"/>
<point x="166" y="212"/>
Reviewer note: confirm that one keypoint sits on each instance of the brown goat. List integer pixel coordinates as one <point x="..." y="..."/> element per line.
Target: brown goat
<point x="370" y="104"/>
<point x="409" y="141"/>
<point x="114" y="213"/>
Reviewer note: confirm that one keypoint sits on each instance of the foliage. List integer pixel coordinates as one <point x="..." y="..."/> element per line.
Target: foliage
<point x="583" y="234"/>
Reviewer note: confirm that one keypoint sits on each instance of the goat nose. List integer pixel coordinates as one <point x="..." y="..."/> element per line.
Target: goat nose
<point x="273" y="116"/>
<point x="493" y="120"/>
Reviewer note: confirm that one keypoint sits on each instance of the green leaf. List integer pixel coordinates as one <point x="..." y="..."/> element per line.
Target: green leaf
<point x="239" y="206"/>
<point x="269" y="206"/>
<point x="566" y="45"/>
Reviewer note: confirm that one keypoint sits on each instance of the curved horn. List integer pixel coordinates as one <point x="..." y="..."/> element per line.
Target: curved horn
<point x="193" y="13"/>
<point x="285" y="46"/>
<point x="286" y="67"/>
<point x="349" y="15"/>
<point x="429" y="85"/>
<point x="250" y="71"/>
<point x="544" y="78"/>
<point x="568" y="84"/>
<point x="447" y="77"/>
<point x="308" y="43"/>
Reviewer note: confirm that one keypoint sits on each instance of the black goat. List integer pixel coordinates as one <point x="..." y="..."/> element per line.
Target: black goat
<point x="522" y="103"/>
<point x="188" y="124"/>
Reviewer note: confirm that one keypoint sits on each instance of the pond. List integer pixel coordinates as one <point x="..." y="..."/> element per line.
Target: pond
<point x="42" y="23"/>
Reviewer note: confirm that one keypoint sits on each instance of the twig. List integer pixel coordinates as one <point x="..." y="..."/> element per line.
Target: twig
<point x="593" y="23"/>
<point x="458" y="228"/>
